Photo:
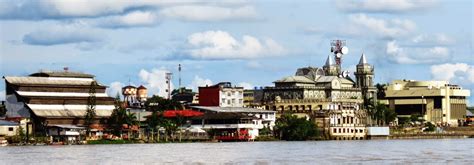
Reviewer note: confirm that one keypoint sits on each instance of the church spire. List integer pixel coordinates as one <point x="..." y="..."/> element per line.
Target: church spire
<point x="362" y="60"/>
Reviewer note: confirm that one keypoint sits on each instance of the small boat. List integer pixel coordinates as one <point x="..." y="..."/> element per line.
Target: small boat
<point x="3" y="143"/>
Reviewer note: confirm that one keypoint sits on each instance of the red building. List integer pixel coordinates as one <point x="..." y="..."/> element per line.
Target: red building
<point x="222" y="95"/>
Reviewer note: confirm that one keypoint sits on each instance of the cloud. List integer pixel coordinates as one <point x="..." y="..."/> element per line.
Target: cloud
<point x="63" y="34"/>
<point x="114" y="88"/>
<point x="209" y="13"/>
<point x="433" y="39"/>
<point x="393" y="28"/>
<point x="132" y="19"/>
<point x="127" y="11"/>
<point x="2" y="95"/>
<point x="155" y="81"/>
<point x="416" y="55"/>
<point x="199" y="82"/>
<point x="457" y="72"/>
<point x="246" y="85"/>
<point x="221" y="45"/>
<point x="385" y="6"/>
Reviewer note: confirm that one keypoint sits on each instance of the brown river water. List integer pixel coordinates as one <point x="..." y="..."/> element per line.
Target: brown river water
<point x="432" y="151"/>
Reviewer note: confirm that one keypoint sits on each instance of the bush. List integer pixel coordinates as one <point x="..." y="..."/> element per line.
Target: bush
<point x="290" y="127"/>
<point x="429" y="127"/>
<point x="103" y="141"/>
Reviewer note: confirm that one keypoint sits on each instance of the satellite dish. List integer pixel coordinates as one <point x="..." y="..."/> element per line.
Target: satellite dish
<point x="338" y="55"/>
<point x="345" y="73"/>
<point x="344" y="50"/>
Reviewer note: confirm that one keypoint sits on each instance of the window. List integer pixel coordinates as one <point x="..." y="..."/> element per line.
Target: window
<point x="240" y="101"/>
<point x="228" y="93"/>
<point x="223" y="100"/>
<point x="10" y="129"/>
<point x="233" y="101"/>
<point x="228" y="101"/>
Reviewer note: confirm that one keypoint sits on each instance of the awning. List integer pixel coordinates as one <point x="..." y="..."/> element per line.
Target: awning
<point x="44" y="110"/>
<point x="183" y="113"/>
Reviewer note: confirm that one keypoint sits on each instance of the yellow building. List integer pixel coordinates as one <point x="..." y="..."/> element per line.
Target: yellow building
<point x="436" y="101"/>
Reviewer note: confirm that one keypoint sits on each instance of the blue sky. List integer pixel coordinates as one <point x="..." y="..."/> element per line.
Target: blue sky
<point x="249" y="43"/>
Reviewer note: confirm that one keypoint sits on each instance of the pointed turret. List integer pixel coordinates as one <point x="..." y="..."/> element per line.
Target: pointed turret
<point x="329" y="61"/>
<point x="362" y="60"/>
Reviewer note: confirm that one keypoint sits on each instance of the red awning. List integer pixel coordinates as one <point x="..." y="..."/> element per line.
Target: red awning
<point x="183" y="113"/>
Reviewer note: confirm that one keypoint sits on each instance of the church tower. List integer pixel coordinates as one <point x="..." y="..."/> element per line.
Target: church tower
<point x="365" y="75"/>
<point x="330" y="68"/>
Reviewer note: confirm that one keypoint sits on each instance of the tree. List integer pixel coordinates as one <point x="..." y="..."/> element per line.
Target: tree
<point x="91" y="104"/>
<point x="119" y="117"/>
<point x="380" y="90"/>
<point x="157" y="103"/>
<point x="290" y="127"/>
<point x="3" y="110"/>
<point x="381" y="114"/>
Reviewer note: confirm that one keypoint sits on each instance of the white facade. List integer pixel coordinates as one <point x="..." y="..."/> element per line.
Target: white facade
<point x="8" y="130"/>
<point x="346" y="122"/>
<point x="231" y="97"/>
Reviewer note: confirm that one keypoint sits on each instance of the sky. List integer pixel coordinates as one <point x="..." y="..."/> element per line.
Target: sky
<point x="248" y="43"/>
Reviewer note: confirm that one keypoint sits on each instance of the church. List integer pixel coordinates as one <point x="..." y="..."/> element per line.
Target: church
<point x="327" y="95"/>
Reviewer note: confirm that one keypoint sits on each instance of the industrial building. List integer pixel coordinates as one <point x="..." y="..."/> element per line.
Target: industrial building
<point x="56" y="100"/>
<point x="438" y="102"/>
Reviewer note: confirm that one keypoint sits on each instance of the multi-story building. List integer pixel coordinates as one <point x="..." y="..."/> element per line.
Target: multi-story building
<point x="253" y="98"/>
<point x="222" y="94"/>
<point x="224" y="100"/>
<point x="56" y="100"/>
<point x="436" y="101"/>
<point x="326" y="94"/>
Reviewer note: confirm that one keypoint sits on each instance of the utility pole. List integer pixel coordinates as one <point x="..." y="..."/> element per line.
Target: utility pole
<point x="179" y="74"/>
<point x="168" y="81"/>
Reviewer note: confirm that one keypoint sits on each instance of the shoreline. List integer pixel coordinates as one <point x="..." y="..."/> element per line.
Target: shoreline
<point x="391" y="137"/>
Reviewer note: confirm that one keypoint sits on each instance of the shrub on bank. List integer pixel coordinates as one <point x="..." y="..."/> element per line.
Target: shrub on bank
<point x="105" y="141"/>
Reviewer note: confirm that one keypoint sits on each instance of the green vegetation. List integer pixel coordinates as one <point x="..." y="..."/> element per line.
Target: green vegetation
<point x="119" y="117"/>
<point x="380" y="113"/>
<point x="292" y="128"/>
<point x="429" y="127"/>
<point x="3" y="110"/>
<point x="91" y="103"/>
<point x="157" y="105"/>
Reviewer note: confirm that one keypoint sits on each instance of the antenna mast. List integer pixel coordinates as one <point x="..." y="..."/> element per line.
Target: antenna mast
<point x="179" y="75"/>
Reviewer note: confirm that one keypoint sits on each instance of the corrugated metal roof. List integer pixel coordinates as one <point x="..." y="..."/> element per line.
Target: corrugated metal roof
<point x="231" y="109"/>
<point x="69" y="110"/>
<point x="62" y="74"/>
<point x="70" y="113"/>
<point x="48" y="81"/>
<point x="8" y="123"/>
<point x="301" y="79"/>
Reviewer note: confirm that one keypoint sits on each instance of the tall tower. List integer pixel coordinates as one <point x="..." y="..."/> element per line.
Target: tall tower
<point x="330" y="68"/>
<point x="365" y="75"/>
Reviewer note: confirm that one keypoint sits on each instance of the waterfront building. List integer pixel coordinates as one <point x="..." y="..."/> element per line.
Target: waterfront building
<point x="328" y="95"/>
<point x="56" y="99"/>
<point x="134" y="97"/>
<point x="8" y="128"/>
<point x="253" y="98"/>
<point x="221" y="94"/>
<point x="224" y="100"/>
<point x="438" y="102"/>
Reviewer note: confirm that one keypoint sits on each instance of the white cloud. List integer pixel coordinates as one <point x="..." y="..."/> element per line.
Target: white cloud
<point x="433" y="39"/>
<point x="209" y="13"/>
<point x="246" y="85"/>
<point x="194" y="10"/>
<point x="155" y="81"/>
<point x="384" y="6"/>
<point x="199" y="82"/>
<point x="132" y="19"/>
<point x="63" y="34"/>
<point x="393" y="28"/>
<point x="114" y="88"/>
<point x="2" y="95"/>
<point x="221" y="45"/>
<point x="458" y="72"/>
<point x="416" y="55"/>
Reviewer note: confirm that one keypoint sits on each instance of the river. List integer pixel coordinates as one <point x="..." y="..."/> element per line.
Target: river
<point x="432" y="151"/>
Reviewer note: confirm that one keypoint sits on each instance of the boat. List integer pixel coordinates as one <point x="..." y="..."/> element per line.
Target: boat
<point x="3" y="143"/>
